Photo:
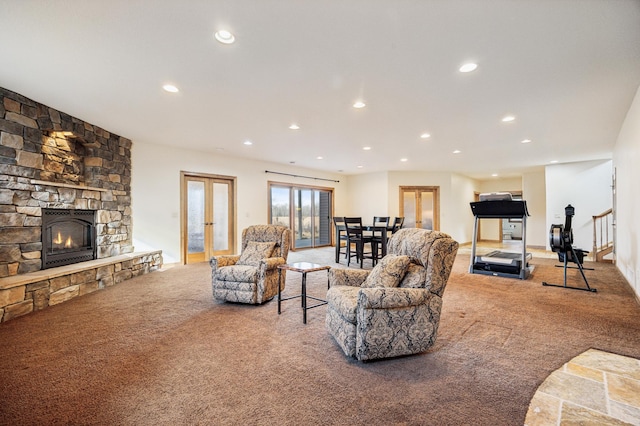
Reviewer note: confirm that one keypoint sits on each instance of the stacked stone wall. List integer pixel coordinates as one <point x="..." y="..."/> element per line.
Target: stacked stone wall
<point x="49" y="159"/>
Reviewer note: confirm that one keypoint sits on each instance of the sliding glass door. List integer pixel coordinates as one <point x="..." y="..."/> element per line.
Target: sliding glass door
<point x="305" y="210"/>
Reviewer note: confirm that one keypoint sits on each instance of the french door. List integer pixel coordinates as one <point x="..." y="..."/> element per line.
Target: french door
<point x="207" y="217"/>
<point x="420" y="207"/>
<point x="305" y="210"/>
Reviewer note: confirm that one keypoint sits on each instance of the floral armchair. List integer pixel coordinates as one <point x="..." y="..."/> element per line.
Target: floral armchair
<point x="395" y="308"/>
<point x="253" y="275"/>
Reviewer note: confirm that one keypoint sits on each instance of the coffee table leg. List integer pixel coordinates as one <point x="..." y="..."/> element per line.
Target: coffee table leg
<point x="304" y="297"/>
<point x="279" y="289"/>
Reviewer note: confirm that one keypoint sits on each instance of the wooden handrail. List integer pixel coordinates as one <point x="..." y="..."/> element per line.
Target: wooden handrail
<point x="601" y="239"/>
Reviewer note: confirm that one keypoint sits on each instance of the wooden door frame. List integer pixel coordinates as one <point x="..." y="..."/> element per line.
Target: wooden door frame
<point x="436" y="201"/>
<point x="184" y="209"/>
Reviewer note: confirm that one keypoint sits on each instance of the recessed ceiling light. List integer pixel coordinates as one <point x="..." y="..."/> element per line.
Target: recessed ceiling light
<point x="319" y="157"/>
<point x="359" y="104"/>
<point x="457" y="151"/>
<point x="553" y="161"/>
<point x="494" y="175"/>
<point x="508" y="119"/>
<point x="468" y="67"/>
<point x="294" y="126"/>
<point x="366" y="148"/>
<point x="224" y="37"/>
<point x="170" y="88"/>
<point x="360" y="167"/>
<point x="248" y="143"/>
<point x="525" y="141"/>
<point x="425" y="136"/>
<point x="404" y="160"/>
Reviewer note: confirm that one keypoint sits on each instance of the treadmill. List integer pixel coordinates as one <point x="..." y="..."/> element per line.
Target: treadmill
<point x="500" y="263"/>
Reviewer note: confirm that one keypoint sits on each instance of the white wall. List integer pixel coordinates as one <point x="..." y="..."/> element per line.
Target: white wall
<point x="368" y="197"/>
<point x="587" y="187"/>
<point x="156" y="191"/>
<point x="461" y="221"/>
<point x="626" y="157"/>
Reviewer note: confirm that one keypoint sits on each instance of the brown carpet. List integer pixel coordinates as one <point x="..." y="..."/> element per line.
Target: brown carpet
<point x="158" y="350"/>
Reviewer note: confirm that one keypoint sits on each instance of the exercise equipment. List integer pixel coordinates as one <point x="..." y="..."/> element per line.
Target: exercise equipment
<point x="500" y="205"/>
<point x="561" y="242"/>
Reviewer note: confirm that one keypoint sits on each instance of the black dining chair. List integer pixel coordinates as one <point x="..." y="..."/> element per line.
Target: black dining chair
<point x="356" y="237"/>
<point x="341" y="236"/>
<point x="397" y="224"/>
<point x="376" y="235"/>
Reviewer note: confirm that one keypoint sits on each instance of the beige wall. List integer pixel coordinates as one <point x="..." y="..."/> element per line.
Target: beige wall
<point x="534" y="192"/>
<point x="626" y="157"/>
<point x="490" y="229"/>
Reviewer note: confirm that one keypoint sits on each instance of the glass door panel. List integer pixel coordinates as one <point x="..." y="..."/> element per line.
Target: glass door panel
<point x="221" y="222"/>
<point x="195" y="221"/>
<point x="302" y="221"/>
<point x="426" y="205"/>
<point x="280" y="206"/>
<point x="409" y="208"/>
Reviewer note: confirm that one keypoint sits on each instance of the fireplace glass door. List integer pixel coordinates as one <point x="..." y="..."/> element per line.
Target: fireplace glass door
<point x="68" y="236"/>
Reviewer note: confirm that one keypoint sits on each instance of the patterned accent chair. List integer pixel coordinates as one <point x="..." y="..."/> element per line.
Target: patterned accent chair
<point x="253" y="275"/>
<point x="395" y="308"/>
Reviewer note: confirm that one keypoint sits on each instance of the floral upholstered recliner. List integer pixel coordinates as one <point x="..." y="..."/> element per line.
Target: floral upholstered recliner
<point x="253" y="275"/>
<point x="395" y="308"/>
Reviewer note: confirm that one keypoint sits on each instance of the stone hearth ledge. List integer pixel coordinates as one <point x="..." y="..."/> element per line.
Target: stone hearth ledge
<point x="26" y="293"/>
<point x="46" y="274"/>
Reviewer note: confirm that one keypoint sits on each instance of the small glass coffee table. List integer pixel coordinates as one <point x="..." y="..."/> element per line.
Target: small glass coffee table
<point x="303" y="268"/>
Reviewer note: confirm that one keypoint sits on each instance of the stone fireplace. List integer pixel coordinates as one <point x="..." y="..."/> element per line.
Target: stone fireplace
<point x="52" y="161"/>
<point x="54" y="165"/>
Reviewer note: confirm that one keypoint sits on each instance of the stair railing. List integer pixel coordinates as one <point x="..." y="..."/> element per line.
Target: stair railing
<point x="602" y="235"/>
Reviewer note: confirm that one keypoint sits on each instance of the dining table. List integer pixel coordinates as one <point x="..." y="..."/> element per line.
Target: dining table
<point x="384" y="230"/>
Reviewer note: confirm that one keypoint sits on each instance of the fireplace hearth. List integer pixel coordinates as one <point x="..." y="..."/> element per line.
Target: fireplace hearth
<point x="68" y="236"/>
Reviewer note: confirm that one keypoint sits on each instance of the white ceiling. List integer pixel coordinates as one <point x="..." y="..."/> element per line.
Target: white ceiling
<point x="567" y="70"/>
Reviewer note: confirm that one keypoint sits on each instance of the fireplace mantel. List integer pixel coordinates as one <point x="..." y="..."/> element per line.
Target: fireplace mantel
<point x="67" y="185"/>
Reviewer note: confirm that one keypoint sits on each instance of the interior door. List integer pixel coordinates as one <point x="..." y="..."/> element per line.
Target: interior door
<point x="420" y="207"/>
<point x="207" y="217"/>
